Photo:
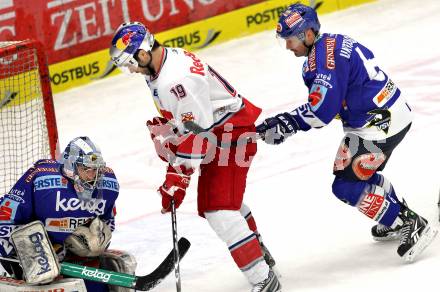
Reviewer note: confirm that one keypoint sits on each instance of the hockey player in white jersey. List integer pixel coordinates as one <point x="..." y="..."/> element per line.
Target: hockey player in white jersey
<point x="187" y="90"/>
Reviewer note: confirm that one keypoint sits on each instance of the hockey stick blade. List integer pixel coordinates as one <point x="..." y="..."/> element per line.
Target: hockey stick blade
<point x="141" y="283"/>
<point x="146" y="283"/>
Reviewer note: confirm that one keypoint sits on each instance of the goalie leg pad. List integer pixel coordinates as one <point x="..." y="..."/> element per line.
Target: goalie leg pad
<point x="66" y="285"/>
<point x="118" y="261"/>
<point x="36" y="254"/>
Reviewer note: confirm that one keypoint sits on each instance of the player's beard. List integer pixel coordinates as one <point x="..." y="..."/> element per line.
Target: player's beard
<point x="148" y="69"/>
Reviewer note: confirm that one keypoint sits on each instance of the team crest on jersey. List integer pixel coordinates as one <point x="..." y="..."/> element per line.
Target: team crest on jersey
<point x="46" y="182"/>
<point x="187" y="117"/>
<point x="317" y="96"/>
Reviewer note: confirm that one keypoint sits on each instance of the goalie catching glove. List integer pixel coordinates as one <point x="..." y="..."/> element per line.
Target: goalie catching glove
<point x="164" y="137"/>
<point x="174" y="187"/>
<point x="89" y="240"/>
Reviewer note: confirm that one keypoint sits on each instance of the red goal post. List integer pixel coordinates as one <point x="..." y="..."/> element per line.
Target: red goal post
<point x="28" y="129"/>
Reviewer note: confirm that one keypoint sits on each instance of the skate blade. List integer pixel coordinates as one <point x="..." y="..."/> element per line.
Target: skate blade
<point x="425" y="240"/>
<point x="391" y="237"/>
<point x="276" y="272"/>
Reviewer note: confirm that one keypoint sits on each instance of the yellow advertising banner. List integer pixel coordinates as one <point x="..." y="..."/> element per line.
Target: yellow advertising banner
<point x="194" y="36"/>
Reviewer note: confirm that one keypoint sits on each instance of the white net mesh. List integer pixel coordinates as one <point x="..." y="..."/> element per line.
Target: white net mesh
<point x="23" y="128"/>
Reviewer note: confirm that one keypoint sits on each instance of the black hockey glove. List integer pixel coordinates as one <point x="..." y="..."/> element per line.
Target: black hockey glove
<point x="276" y="129"/>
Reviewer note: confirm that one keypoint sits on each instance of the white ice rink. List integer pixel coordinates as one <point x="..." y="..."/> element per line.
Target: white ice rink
<point x="320" y="244"/>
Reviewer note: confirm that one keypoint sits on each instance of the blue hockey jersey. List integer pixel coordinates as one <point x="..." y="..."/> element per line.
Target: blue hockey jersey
<point x="345" y="82"/>
<point x="44" y="194"/>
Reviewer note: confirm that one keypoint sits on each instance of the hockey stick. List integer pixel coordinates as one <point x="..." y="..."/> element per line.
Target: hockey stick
<point x="141" y="283"/>
<point x="176" y="247"/>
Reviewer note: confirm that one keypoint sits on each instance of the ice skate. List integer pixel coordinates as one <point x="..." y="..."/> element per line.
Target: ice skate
<point x="416" y="235"/>
<point x="384" y="233"/>
<point x="270" y="284"/>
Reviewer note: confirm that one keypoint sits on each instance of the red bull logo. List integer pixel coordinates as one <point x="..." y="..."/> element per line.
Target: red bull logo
<point x="124" y="41"/>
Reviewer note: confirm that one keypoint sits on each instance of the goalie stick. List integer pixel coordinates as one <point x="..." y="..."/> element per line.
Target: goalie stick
<point x="141" y="283"/>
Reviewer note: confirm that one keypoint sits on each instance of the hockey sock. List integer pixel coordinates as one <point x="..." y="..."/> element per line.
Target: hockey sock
<point x="242" y="242"/>
<point x="370" y="199"/>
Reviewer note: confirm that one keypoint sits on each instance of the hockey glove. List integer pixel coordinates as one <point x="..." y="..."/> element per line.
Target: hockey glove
<point x="276" y="129"/>
<point x="164" y="137"/>
<point x="176" y="182"/>
<point x="90" y="239"/>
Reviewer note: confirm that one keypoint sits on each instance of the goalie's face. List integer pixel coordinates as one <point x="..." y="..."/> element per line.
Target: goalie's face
<point x="88" y="174"/>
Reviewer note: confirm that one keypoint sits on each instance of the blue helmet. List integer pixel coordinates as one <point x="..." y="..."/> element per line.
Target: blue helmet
<point x="296" y="19"/>
<point x="82" y="152"/>
<point x="128" y="39"/>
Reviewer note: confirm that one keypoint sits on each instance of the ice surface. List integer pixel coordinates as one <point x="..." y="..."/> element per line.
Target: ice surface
<point x="319" y="243"/>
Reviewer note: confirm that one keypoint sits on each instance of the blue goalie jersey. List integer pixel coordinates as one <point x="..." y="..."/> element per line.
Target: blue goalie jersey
<point x="44" y="194"/>
<point x="345" y="82"/>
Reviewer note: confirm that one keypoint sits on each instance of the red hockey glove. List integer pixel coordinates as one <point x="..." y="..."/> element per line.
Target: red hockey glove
<point x="164" y="138"/>
<point x="176" y="182"/>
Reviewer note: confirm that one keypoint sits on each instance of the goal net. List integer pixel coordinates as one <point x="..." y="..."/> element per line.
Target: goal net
<point x="28" y="129"/>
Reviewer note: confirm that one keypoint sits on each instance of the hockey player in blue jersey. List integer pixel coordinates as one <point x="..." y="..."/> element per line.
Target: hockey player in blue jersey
<point x="345" y="83"/>
<point x="75" y="201"/>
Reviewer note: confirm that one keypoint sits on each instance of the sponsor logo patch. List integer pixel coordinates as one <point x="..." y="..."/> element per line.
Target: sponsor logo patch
<point x="41" y="257"/>
<point x="40" y="169"/>
<point x="94" y="206"/>
<point x="293" y="19"/>
<point x="330" y="44"/>
<point x="371" y="205"/>
<point x="8" y="209"/>
<point x="124" y="41"/>
<point x="380" y="118"/>
<point x="312" y="59"/>
<point x="92" y="273"/>
<point x="385" y="94"/>
<point x="50" y="182"/>
<point x="108" y="183"/>
<point x="66" y="224"/>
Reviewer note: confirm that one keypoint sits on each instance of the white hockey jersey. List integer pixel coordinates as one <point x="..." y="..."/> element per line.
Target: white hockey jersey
<point x="186" y="89"/>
